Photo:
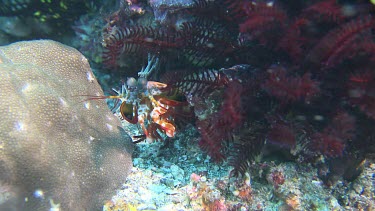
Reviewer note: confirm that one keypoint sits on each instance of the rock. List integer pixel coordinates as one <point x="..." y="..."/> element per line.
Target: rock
<point x="56" y="150"/>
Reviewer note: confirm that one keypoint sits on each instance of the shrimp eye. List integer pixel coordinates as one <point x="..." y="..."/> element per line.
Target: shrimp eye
<point x="129" y="112"/>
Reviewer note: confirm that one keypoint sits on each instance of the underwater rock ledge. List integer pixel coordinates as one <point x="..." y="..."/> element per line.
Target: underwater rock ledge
<point x="56" y="150"/>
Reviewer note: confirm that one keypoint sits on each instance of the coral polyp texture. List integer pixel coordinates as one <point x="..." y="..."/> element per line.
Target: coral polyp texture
<point x="56" y="150"/>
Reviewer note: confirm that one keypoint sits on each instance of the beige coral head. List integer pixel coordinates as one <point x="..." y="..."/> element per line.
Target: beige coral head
<point x="53" y="146"/>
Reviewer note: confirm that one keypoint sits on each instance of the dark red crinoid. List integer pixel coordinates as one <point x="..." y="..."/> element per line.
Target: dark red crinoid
<point x="218" y="128"/>
<point x="311" y="59"/>
<point x="289" y="88"/>
<point x="331" y="141"/>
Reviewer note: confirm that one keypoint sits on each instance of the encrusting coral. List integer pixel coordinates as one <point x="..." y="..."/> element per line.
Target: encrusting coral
<point x="56" y="150"/>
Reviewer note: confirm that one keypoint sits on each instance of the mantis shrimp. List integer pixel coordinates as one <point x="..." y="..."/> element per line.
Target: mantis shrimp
<point x="142" y="102"/>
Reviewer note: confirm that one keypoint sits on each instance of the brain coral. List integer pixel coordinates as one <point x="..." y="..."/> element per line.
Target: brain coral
<point x="56" y="150"/>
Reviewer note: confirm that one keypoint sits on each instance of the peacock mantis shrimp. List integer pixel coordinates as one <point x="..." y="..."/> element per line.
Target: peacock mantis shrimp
<point x="142" y="102"/>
